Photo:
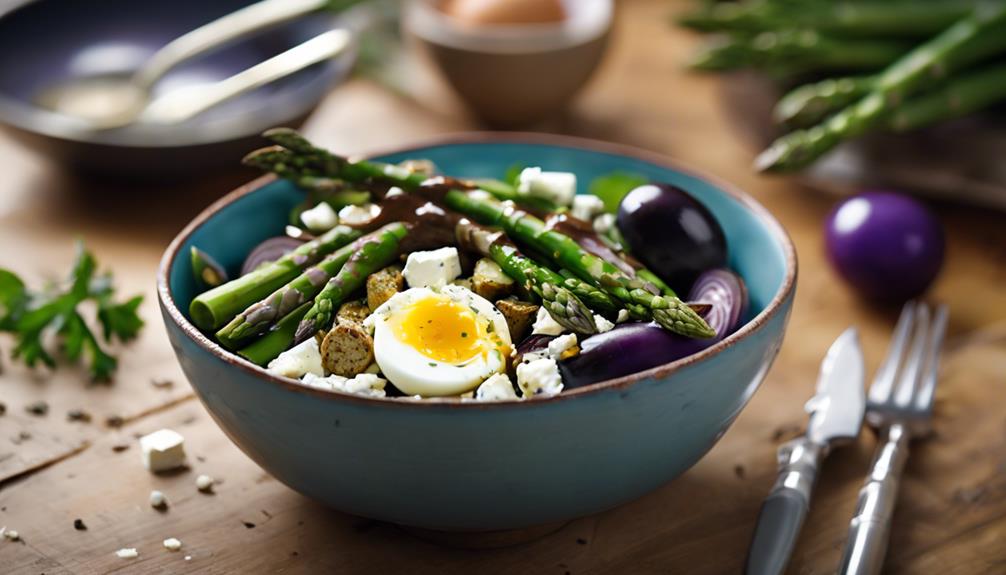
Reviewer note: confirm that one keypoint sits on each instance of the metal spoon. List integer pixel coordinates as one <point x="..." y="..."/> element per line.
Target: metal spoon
<point x="110" y="101"/>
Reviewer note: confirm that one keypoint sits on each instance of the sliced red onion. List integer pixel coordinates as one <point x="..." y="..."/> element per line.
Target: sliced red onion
<point x="269" y="251"/>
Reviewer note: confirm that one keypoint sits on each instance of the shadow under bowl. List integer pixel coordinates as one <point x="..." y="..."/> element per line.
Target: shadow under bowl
<point x="445" y="464"/>
<point x="45" y="43"/>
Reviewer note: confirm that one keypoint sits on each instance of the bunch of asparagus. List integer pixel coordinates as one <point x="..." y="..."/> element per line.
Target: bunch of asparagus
<point x="911" y="64"/>
<point x="265" y="312"/>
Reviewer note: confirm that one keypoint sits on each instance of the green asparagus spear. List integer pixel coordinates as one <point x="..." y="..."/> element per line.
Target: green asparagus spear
<point x="809" y="104"/>
<point x="796" y="51"/>
<point x="371" y="254"/>
<point x="561" y="303"/>
<point x="895" y="18"/>
<point x="214" y="308"/>
<point x="937" y="58"/>
<point x="262" y="315"/>
<point x="963" y="95"/>
<point x="668" y="311"/>
<point x="269" y="346"/>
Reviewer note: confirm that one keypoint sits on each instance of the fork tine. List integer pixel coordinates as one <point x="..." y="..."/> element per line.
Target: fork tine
<point x="912" y="369"/>
<point x="924" y="399"/>
<point x="883" y="382"/>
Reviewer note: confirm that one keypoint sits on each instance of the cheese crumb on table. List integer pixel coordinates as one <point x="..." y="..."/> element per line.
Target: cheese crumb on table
<point x="586" y="206"/>
<point x="298" y="361"/>
<point x="432" y="269"/>
<point x="539" y="377"/>
<point x="204" y="483"/>
<point x="496" y="388"/>
<point x="558" y="187"/>
<point x="163" y="450"/>
<point x="320" y="218"/>
<point x="127" y="553"/>
<point x="172" y="544"/>
<point x="545" y="325"/>
<point x="158" y="500"/>
<point x="10" y="534"/>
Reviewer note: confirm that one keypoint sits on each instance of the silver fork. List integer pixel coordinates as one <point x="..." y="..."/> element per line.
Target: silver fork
<point x="899" y="407"/>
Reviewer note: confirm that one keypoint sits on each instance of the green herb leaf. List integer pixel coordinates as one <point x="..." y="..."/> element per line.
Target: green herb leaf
<point x="120" y="320"/>
<point x="13" y="299"/>
<point x="611" y="188"/>
<point x="512" y="173"/>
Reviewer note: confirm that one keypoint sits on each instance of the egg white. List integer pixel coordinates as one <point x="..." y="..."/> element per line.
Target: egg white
<point x="416" y="374"/>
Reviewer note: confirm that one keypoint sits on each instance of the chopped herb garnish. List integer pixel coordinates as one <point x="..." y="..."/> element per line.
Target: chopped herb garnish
<point x="431" y="364"/>
<point x="464" y="334"/>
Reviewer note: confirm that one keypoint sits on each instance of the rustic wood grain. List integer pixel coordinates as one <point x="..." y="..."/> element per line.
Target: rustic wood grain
<point x="951" y="515"/>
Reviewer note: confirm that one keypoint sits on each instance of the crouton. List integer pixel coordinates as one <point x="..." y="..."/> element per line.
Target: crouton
<point x="519" y="316"/>
<point x="353" y="312"/>
<point x="490" y="282"/>
<point x="347" y="350"/>
<point x="384" y="284"/>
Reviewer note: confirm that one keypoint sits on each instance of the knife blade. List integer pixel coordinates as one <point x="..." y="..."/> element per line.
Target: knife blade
<point x="836" y="415"/>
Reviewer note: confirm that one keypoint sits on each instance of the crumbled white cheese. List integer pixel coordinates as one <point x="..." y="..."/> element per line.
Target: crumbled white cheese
<point x="560" y="345"/>
<point x="604" y="223"/>
<point x="163" y="450"/>
<point x="356" y="215"/>
<point x="368" y="384"/>
<point x="393" y="191"/>
<point x="602" y="323"/>
<point x="623" y="316"/>
<point x="320" y="218"/>
<point x="158" y="500"/>
<point x="586" y="206"/>
<point x="489" y="270"/>
<point x="545" y="325"/>
<point x="559" y="187"/>
<point x="10" y="534"/>
<point x="432" y="269"/>
<point x="496" y="388"/>
<point x="539" y="377"/>
<point x="299" y="360"/>
<point x="172" y="544"/>
<point x="480" y="195"/>
<point x="188" y="558"/>
<point x="127" y="553"/>
<point x="204" y="483"/>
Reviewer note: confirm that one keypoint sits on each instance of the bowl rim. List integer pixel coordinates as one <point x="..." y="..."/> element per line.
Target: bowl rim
<point x="39" y="122"/>
<point x="752" y="326"/>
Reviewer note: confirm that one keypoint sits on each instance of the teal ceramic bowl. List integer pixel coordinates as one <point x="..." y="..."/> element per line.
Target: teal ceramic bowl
<point x="451" y="465"/>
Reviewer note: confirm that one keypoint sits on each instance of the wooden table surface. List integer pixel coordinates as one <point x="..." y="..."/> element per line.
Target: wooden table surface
<point x="951" y="515"/>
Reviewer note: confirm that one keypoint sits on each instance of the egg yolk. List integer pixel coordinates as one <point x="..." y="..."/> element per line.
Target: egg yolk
<point x="441" y="329"/>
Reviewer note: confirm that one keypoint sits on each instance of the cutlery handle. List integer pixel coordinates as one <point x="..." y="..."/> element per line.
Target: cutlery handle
<point x="785" y="508"/>
<point x="870" y="527"/>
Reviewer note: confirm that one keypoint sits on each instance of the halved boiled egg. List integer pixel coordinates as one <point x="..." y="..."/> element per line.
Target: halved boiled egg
<point x="435" y="343"/>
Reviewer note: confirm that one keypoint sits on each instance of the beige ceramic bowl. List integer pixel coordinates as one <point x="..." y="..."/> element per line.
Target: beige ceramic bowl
<point x="514" y="75"/>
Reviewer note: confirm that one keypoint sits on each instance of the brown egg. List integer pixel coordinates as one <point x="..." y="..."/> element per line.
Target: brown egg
<point x="488" y="12"/>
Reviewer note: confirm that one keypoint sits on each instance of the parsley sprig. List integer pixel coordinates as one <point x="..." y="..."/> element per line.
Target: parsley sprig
<point x="32" y="315"/>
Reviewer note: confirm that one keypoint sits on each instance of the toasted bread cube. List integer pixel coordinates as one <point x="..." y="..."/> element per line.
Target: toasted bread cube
<point x="384" y="284"/>
<point x="490" y="282"/>
<point x="353" y="312"/>
<point x="519" y="316"/>
<point x="347" y="350"/>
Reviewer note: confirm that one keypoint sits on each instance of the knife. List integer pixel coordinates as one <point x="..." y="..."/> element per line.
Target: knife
<point x="836" y="415"/>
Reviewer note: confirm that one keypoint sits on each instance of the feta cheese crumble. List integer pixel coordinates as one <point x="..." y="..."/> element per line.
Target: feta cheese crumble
<point x="623" y="316"/>
<point x="320" y="218"/>
<point x="158" y="500"/>
<point x="204" y="483"/>
<point x="172" y="544"/>
<point x="127" y="553"/>
<point x="368" y="384"/>
<point x="562" y="346"/>
<point x="496" y="388"/>
<point x="559" y="187"/>
<point x="539" y="377"/>
<point x="163" y="450"/>
<point x="432" y="269"/>
<point x="356" y="215"/>
<point x="545" y="325"/>
<point x="603" y="324"/>
<point x="604" y="223"/>
<point x="298" y="361"/>
<point x="586" y="206"/>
